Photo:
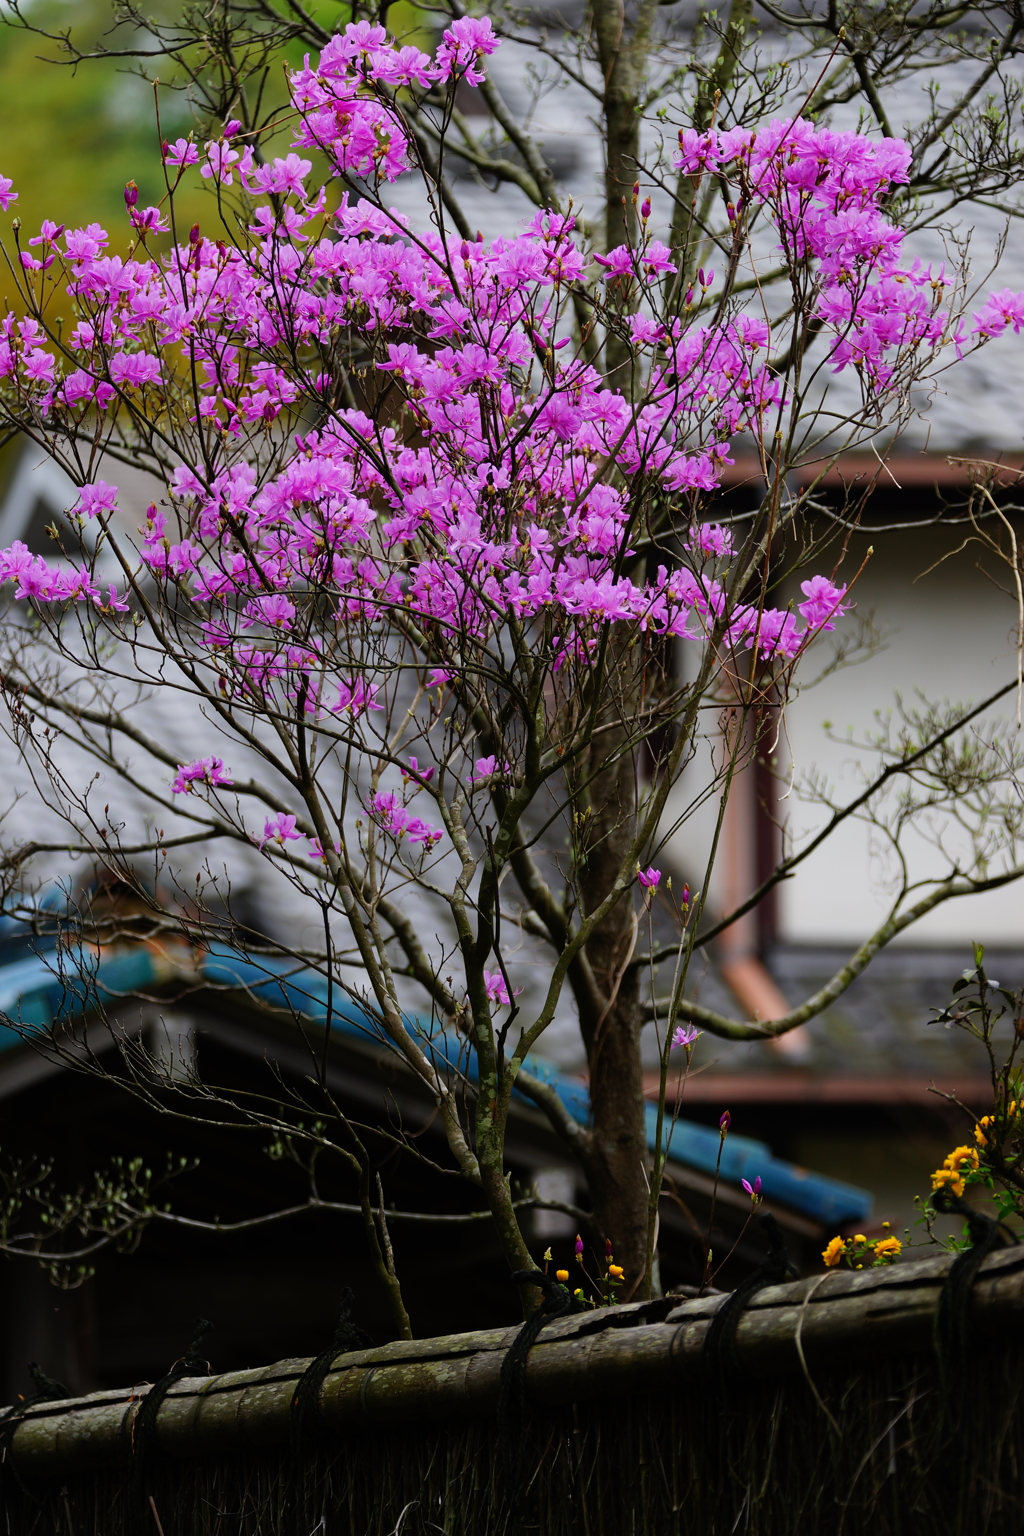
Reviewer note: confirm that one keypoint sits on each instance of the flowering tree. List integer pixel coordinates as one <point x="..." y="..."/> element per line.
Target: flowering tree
<point x="429" y="531"/>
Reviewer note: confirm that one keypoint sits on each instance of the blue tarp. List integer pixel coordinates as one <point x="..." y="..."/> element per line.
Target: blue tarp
<point x="37" y="989"/>
<point x="829" y="1201"/>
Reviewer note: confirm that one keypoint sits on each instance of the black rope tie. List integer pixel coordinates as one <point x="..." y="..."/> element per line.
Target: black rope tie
<point x="512" y="1393"/>
<point x="47" y="1391"/>
<point x="956" y="1449"/>
<point x="306" y="1416"/>
<point x="718" y="1352"/>
<point x="144" y="1441"/>
<point x="306" y="1421"/>
<point x="953" y="1315"/>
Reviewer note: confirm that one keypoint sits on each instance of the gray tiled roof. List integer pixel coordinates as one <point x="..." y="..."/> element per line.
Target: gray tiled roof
<point x="881" y="1024"/>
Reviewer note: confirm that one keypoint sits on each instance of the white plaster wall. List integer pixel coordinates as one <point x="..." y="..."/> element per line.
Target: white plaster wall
<point x="950" y="636"/>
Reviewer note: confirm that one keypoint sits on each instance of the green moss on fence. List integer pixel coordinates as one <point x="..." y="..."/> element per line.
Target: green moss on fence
<point x="770" y="1462"/>
<point x="829" y="1416"/>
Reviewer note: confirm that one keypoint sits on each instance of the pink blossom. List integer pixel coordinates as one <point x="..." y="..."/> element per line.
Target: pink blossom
<point x="39" y="366"/>
<point x="205" y="770"/>
<point x="149" y="221"/>
<point x="182" y="152"/>
<point x="414" y="771"/>
<point x="316" y="848"/>
<point x="48" y="233"/>
<point x="823" y="602"/>
<point x="685" y="1034"/>
<point x="461" y="48"/>
<point x="7" y="197"/>
<point x="95" y="499"/>
<point x="486" y="768"/>
<point x="115" y="603"/>
<point x="279" y="829"/>
<point x="355" y="697"/>
<point x="649" y="878"/>
<point x="283" y="176"/>
<point x="618" y="262"/>
<point x="1000" y="310"/>
<point x="219" y="160"/>
<point x="496" y="988"/>
<point x="710" y="541"/>
<point x="134" y="369"/>
<point x="397" y="819"/>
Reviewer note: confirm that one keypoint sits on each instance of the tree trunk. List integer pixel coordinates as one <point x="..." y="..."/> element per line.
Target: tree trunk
<point x="617" y="1157"/>
<point x="623" y="45"/>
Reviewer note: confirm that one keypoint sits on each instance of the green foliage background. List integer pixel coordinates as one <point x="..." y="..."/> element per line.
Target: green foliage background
<point x="70" y="137"/>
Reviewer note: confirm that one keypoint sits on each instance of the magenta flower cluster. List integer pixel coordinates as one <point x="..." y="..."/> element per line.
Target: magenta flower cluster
<point x="388" y="812"/>
<point x="488" y="502"/>
<point x="205" y="770"/>
<point x="823" y="189"/>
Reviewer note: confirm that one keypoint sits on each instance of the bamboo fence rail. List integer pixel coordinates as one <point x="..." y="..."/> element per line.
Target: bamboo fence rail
<point x="838" y="1417"/>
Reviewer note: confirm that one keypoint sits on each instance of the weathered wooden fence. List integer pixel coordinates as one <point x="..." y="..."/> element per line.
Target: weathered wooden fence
<point x="834" y="1413"/>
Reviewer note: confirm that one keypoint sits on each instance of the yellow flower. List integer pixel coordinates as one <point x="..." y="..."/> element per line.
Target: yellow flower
<point x="888" y="1248"/>
<point x="961" y="1155"/>
<point x="834" y="1252"/>
<point x="951" y="1175"/>
<point x="947" y="1178"/>
<point x="616" y="1272"/>
<point x="1011" y="1108"/>
<point x="562" y="1274"/>
<point x="860" y="1238"/>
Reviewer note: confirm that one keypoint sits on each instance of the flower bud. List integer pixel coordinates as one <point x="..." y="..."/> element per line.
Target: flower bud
<point x="562" y="1275"/>
<point x="645" y="209"/>
<point x="193" y="235"/>
<point x="131" y="194"/>
<point x="579" y="1249"/>
<point x="724" y="1124"/>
